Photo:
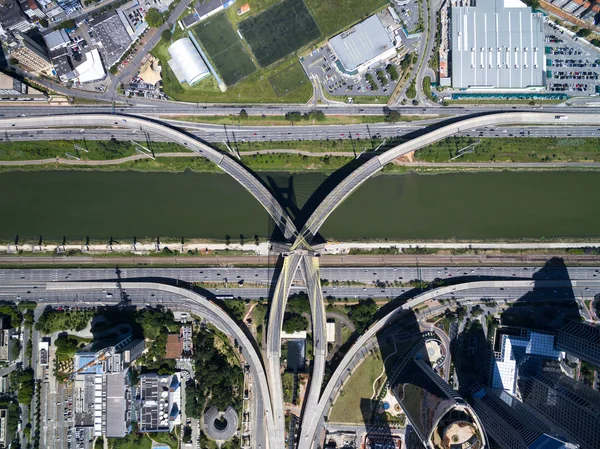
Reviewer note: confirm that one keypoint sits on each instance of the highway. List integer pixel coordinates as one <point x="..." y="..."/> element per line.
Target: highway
<point x="274" y="329"/>
<point x="374" y="165"/>
<point x="360" y="134"/>
<point x="312" y="424"/>
<point x="310" y="271"/>
<point x="189" y="301"/>
<point x="310" y="229"/>
<point x="228" y="165"/>
<point x="158" y="108"/>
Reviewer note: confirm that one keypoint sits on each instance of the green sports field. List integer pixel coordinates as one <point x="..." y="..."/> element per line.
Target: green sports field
<point x="334" y="16"/>
<point x="279" y="31"/>
<point x="225" y="49"/>
<point x="288" y="80"/>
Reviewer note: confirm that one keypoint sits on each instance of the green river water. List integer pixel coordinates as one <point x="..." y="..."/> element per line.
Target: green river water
<point x="99" y="205"/>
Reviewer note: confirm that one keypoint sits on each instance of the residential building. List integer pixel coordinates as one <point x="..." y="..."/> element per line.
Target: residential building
<point x="581" y="340"/>
<point x="159" y="403"/>
<point x="436" y="411"/>
<point x="516" y="351"/>
<point x="13" y="18"/>
<point x="208" y="8"/>
<point x="511" y="423"/>
<point x="31" y="55"/>
<point x="31" y="9"/>
<point x="498" y="45"/>
<point x="69" y="6"/>
<point x="572" y="407"/>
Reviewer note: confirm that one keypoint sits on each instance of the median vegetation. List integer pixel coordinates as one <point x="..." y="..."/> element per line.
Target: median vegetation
<point x="535" y="149"/>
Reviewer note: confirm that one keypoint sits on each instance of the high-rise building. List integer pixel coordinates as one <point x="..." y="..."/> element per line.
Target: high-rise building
<point x="438" y="414"/>
<point x="581" y="340"/>
<point x="32" y="55"/>
<point x="518" y="352"/>
<point x="571" y="406"/>
<point x="511" y="423"/>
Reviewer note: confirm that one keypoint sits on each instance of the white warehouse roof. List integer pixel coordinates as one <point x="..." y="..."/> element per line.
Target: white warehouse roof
<point x="498" y="44"/>
<point x="91" y="69"/>
<point x="187" y="64"/>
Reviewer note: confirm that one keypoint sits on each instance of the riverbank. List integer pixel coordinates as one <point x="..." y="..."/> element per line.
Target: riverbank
<point x="461" y="207"/>
<point x="483" y="154"/>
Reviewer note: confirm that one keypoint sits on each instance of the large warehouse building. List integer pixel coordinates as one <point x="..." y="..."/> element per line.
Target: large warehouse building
<point x="497" y="45"/>
<point x="186" y="63"/>
<point x="363" y="44"/>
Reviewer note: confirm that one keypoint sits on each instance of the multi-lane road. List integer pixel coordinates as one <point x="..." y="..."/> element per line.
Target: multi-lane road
<point x="163" y="109"/>
<point x="239" y="135"/>
<point x="363" y="275"/>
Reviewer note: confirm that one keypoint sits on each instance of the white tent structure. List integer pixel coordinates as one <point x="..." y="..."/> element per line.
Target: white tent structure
<point x="186" y="62"/>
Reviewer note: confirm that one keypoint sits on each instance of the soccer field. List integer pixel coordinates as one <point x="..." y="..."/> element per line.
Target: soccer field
<point x="224" y="48"/>
<point x="279" y="31"/>
<point x="334" y="16"/>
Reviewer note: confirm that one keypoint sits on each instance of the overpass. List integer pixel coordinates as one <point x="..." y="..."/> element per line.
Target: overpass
<point x="301" y="254"/>
<point x="226" y="163"/>
<point x="374" y="165"/>
<point x="217" y="317"/>
<point x="315" y="420"/>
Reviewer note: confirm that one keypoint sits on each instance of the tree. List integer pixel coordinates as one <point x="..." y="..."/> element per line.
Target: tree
<point x="13" y="61"/>
<point x="584" y="32"/>
<point x="166" y="35"/>
<point x="294" y="322"/>
<point x="154" y="18"/>
<point x="362" y="313"/>
<point x="243" y="115"/>
<point x="392" y="71"/>
<point x="392" y="116"/>
<point x="293" y="116"/>
<point x="44" y="23"/>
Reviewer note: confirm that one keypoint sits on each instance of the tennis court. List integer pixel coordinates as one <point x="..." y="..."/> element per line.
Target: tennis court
<point x="279" y="31"/>
<point x="225" y="49"/>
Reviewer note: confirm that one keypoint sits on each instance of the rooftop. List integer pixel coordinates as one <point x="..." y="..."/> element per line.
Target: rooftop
<point x="361" y="43"/>
<point x="497" y="44"/>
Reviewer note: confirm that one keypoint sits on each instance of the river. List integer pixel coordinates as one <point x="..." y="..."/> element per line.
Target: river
<point x="121" y="205"/>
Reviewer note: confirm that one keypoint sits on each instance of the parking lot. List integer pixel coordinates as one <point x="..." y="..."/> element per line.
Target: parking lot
<point x="409" y="14"/>
<point x="571" y="65"/>
<point x="322" y="64"/>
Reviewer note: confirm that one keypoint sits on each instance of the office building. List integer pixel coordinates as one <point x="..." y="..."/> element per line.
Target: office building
<point x="437" y="413"/>
<point x="159" y="402"/>
<point x="3" y="427"/>
<point x="516" y="352"/>
<point x="102" y="393"/>
<point x="511" y="423"/>
<point x="581" y="340"/>
<point x="497" y="45"/>
<point x="31" y="55"/>
<point x="57" y="39"/>
<point x="6" y="342"/>
<point x="572" y="407"/>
